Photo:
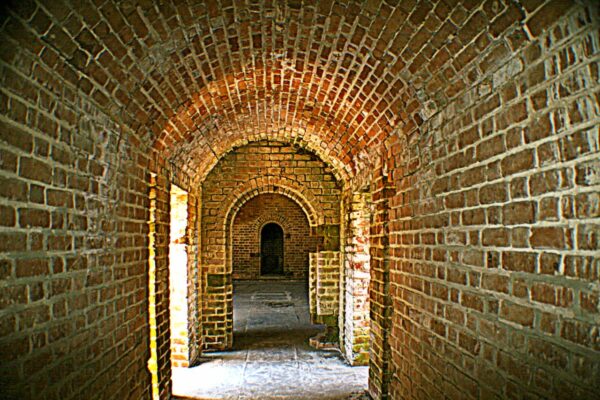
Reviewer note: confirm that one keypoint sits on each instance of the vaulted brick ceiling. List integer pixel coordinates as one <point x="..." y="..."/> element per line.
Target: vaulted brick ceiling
<point x="196" y="78"/>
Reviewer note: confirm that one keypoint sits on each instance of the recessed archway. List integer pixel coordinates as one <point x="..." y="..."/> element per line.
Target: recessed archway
<point x="271" y="250"/>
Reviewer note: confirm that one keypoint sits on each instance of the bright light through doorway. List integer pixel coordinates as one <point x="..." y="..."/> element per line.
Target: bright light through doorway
<point x="178" y="264"/>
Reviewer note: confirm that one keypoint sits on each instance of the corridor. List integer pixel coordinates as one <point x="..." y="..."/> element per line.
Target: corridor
<point x="430" y="169"/>
<point x="271" y="357"/>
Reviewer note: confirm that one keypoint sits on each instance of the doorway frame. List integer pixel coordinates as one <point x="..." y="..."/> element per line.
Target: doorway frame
<point x="260" y="245"/>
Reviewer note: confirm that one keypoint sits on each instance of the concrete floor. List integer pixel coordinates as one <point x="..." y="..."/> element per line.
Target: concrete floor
<point x="271" y="357"/>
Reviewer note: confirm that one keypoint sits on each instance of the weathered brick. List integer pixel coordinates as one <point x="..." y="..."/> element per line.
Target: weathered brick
<point x="8" y="160"/>
<point x="494" y="282"/>
<point x="549" y="237"/>
<point x="518" y="213"/>
<point x="31" y="168"/>
<point x="34" y="218"/>
<point x="32" y="267"/>
<point x="546" y="16"/>
<point x="495" y="237"/>
<point x="548" y="209"/>
<point x="16" y="137"/>
<point x="589" y="301"/>
<point x="588" y="174"/>
<point x="519" y="261"/>
<point x="7" y="216"/>
<point x="518" y="162"/>
<point x="13" y="189"/>
<point x="495" y="193"/>
<point x="471" y="300"/>
<point x="588" y="237"/>
<point x="516" y="313"/>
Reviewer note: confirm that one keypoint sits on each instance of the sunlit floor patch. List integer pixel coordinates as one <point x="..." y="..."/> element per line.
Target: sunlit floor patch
<point x="271" y="358"/>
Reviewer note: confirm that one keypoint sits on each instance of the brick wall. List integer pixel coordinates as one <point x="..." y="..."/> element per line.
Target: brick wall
<point x="194" y="284"/>
<point x="73" y="253"/>
<point x="327" y="285"/>
<point x="380" y="295"/>
<point x="260" y="167"/>
<point x="324" y="288"/>
<point x="246" y="234"/>
<point x="493" y="225"/>
<point x="356" y="277"/>
<point x="165" y="238"/>
<point x="159" y="235"/>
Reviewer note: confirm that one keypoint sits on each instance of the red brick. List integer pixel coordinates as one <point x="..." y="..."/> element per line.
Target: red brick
<point x="518" y="162"/>
<point x="549" y="263"/>
<point x="495" y="237"/>
<point x="587" y="205"/>
<point x="588" y="237"/>
<point x="85" y="119"/>
<point x="473" y="217"/>
<point x="549" y="237"/>
<point x="7" y="216"/>
<point x="495" y="193"/>
<point x="34" y="218"/>
<point x="13" y="189"/>
<point x="518" y="213"/>
<point x="13" y="241"/>
<point x="519" y="261"/>
<point x="471" y="300"/>
<point x="589" y="301"/>
<point x="31" y="168"/>
<point x="16" y="137"/>
<point x="548" y="209"/>
<point x="494" y="282"/>
<point x="32" y="267"/>
<point x="516" y="313"/>
<point x="546" y="16"/>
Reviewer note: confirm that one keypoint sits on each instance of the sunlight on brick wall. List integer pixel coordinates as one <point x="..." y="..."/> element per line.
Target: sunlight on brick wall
<point x="152" y="362"/>
<point x="178" y="278"/>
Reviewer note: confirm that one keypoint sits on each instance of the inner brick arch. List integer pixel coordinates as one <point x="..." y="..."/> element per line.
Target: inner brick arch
<point x="289" y="223"/>
<point x="197" y="133"/>
<point x="197" y="159"/>
<point x="279" y="185"/>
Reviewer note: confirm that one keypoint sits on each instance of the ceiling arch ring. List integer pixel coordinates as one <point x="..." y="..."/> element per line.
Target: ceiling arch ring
<point x="340" y="171"/>
<point x="284" y="187"/>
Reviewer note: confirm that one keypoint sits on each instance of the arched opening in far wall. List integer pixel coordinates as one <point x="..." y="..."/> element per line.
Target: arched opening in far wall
<point x="271" y="250"/>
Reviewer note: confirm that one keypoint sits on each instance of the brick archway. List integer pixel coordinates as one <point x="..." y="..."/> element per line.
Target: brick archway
<point x="283" y="186"/>
<point x="299" y="240"/>
<point x="286" y="188"/>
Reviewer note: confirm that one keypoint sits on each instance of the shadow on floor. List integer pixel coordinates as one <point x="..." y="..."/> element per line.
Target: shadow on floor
<point x="271" y="358"/>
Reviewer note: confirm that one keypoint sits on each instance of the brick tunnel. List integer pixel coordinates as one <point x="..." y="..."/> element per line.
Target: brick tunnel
<point x="436" y="161"/>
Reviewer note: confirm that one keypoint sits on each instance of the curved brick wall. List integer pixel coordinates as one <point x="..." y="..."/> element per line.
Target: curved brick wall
<point x="473" y="125"/>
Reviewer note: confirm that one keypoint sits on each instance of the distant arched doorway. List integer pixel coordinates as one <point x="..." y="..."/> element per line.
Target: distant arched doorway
<point x="271" y="249"/>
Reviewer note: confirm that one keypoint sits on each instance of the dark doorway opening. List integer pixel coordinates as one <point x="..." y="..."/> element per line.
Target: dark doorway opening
<point x="271" y="250"/>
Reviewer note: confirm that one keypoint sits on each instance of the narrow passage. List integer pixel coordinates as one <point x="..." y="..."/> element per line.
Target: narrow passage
<point x="271" y="357"/>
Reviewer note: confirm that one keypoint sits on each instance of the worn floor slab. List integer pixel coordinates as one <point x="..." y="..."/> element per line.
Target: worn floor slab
<point x="271" y="357"/>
